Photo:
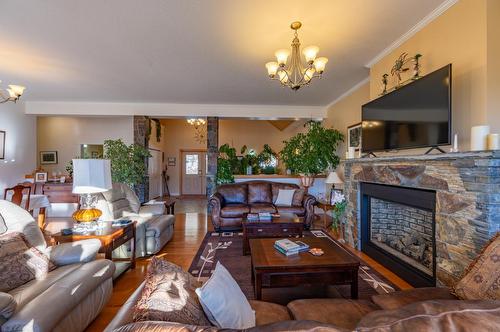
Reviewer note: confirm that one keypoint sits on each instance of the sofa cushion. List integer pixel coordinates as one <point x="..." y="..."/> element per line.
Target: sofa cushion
<point x="20" y="262"/>
<point x="234" y="210"/>
<point x="7" y="306"/>
<point x="169" y="295"/>
<point x="482" y="278"/>
<point x="276" y="186"/>
<point x="262" y="207"/>
<point x="267" y="312"/>
<point x="234" y="193"/>
<point x="298" y="210"/>
<point x="436" y="315"/>
<point x="259" y="192"/>
<point x="285" y="197"/>
<point x="297" y="326"/>
<point x="339" y="312"/>
<point x="399" y="299"/>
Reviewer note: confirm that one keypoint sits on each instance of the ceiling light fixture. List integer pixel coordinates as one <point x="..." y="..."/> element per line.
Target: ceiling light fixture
<point x="295" y="74"/>
<point x="200" y="134"/>
<point x="14" y="93"/>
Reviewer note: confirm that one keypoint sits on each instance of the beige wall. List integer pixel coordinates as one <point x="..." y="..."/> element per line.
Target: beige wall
<point x="253" y="133"/>
<point x="20" y="144"/>
<point x="347" y="112"/>
<point x="459" y="37"/>
<point x="493" y="64"/>
<point x="66" y="134"/>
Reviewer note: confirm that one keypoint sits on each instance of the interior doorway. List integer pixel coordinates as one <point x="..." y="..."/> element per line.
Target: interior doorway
<point x="154" y="172"/>
<point x="194" y="171"/>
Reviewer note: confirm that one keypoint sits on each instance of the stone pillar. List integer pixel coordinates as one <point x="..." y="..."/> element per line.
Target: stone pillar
<point x="141" y="124"/>
<point x="212" y="152"/>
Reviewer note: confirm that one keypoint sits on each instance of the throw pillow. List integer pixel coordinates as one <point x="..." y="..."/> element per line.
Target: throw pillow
<point x="20" y="262"/>
<point x="285" y="197"/>
<point x="223" y="301"/>
<point x="482" y="279"/>
<point x="3" y="226"/>
<point x="298" y="197"/>
<point x="169" y="295"/>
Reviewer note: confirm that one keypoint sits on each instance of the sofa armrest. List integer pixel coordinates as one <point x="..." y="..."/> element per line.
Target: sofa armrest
<point x="308" y="203"/>
<point x="155" y="209"/>
<point x="7" y="306"/>
<point x="215" y="204"/>
<point x="74" y="252"/>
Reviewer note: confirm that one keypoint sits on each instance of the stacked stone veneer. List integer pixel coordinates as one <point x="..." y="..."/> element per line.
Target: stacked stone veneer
<point x="467" y="189"/>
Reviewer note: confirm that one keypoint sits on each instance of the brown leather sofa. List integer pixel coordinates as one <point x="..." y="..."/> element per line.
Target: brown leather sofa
<point x="232" y="202"/>
<point x="423" y="309"/>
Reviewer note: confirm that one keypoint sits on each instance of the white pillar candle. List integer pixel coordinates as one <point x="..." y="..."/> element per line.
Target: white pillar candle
<point x="478" y="136"/>
<point x="493" y="142"/>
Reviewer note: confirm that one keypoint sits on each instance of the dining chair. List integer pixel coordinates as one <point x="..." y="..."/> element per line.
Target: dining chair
<point x="18" y="193"/>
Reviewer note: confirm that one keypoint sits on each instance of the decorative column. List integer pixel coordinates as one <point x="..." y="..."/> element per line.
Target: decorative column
<point x="212" y="153"/>
<point x="141" y="127"/>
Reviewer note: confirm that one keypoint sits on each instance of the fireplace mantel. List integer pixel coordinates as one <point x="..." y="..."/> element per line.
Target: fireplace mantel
<point x="467" y="187"/>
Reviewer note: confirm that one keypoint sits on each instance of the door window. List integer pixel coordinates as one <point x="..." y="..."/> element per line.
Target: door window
<point x="191" y="164"/>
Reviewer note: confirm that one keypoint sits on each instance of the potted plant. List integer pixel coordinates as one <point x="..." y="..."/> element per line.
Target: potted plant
<point x="313" y="152"/>
<point x="339" y="204"/>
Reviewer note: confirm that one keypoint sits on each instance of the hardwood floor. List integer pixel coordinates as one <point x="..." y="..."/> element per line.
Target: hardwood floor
<point x="191" y="225"/>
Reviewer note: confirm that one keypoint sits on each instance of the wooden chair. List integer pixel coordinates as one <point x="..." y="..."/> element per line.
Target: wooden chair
<point x="18" y="193"/>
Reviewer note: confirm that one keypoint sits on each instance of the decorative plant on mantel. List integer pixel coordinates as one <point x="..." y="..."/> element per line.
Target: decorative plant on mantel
<point x="127" y="161"/>
<point x="313" y="152"/>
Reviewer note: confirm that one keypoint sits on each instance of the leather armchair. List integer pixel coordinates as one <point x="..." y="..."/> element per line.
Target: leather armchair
<point x="70" y="297"/>
<point x="230" y="204"/>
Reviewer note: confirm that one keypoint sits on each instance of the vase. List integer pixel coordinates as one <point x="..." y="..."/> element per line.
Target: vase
<point x="306" y="180"/>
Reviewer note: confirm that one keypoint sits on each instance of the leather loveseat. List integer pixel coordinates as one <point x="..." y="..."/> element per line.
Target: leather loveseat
<point x="154" y="228"/>
<point x="232" y="202"/>
<point x="70" y="297"/>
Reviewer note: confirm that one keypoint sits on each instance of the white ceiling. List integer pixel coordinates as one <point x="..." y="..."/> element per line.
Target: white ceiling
<point x="180" y="51"/>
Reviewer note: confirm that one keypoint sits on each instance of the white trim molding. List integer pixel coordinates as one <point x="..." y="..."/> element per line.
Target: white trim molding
<point x="416" y="28"/>
<point x="348" y="92"/>
<point x="264" y="112"/>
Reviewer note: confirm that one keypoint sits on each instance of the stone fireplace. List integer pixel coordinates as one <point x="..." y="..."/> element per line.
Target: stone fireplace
<point x="463" y="212"/>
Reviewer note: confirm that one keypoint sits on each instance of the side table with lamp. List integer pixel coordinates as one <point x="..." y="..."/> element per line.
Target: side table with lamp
<point x="333" y="179"/>
<point x="91" y="176"/>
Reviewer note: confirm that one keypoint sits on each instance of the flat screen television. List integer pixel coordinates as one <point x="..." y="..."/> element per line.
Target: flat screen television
<point x="416" y="115"/>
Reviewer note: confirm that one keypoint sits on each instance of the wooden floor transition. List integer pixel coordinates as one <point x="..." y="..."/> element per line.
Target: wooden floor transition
<point x="191" y="225"/>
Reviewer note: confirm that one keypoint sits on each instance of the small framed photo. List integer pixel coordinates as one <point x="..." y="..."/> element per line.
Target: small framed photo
<point x="2" y="144"/>
<point x="354" y="136"/>
<point x="171" y="161"/>
<point x="41" y="177"/>
<point x="48" y="157"/>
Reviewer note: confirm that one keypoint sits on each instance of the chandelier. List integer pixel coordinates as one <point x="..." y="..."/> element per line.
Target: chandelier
<point x="14" y="93"/>
<point x="293" y="73"/>
<point x="200" y="134"/>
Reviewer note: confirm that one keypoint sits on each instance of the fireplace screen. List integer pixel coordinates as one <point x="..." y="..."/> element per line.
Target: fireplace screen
<point x="404" y="232"/>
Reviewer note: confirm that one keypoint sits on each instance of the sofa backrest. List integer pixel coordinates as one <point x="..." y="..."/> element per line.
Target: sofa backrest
<point x="259" y="192"/>
<point x="251" y="192"/>
<point x="17" y="219"/>
<point x="234" y="193"/>
<point x="118" y="201"/>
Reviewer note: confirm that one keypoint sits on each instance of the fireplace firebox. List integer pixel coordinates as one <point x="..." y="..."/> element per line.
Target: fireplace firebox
<point x="398" y="230"/>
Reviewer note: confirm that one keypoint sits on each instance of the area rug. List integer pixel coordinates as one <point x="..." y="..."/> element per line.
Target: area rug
<point x="227" y="248"/>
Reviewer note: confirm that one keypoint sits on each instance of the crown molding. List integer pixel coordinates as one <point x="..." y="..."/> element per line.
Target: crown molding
<point x="348" y="92"/>
<point x="263" y="112"/>
<point x="416" y="28"/>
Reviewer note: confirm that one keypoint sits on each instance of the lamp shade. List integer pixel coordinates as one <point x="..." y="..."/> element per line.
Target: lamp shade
<point x="91" y="176"/>
<point x="333" y="177"/>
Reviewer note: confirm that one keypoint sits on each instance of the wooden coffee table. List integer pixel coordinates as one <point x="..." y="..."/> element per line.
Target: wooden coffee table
<point x="288" y="224"/>
<point x="272" y="269"/>
<point x="111" y="238"/>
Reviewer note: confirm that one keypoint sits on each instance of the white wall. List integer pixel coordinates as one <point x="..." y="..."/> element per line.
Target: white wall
<point x="66" y="134"/>
<point x="20" y="144"/>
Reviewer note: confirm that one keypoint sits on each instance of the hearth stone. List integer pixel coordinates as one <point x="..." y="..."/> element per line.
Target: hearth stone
<point x="467" y="189"/>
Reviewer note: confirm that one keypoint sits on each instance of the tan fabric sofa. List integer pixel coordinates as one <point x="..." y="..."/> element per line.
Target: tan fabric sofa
<point x="70" y="297"/>
<point x="154" y="227"/>
<point x="428" y="309"/>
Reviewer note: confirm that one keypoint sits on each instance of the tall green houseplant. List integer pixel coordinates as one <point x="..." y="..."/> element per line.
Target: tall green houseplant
<point x="313" y="152"/>
<point x="127" y="161"/>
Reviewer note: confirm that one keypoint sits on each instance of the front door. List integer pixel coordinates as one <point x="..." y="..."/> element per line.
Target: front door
<point x="194" y="172"/>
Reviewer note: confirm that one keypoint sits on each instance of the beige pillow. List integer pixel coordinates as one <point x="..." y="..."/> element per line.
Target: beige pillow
<point x="482" y="279"/>
<point x="20" y="262"/>
<point x="169" y="295"/>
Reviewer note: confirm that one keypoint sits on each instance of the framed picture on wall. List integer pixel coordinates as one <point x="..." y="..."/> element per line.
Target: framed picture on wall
<point x="48" y="157"/>
<point x="41" y="177"/>
<point x="171" y="161"/>
<point x="2" y="144"/>
<point x="354" y="136"/>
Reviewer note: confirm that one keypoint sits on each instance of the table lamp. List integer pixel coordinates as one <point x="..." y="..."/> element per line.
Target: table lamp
<point x="333" y="179"/>
<point x="90" y="176"/>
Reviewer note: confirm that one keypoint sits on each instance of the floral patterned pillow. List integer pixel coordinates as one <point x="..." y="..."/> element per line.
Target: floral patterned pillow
<point x="482" y="279"/>
<point x="169" y="295"/>
<point x="20" y="262"/>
